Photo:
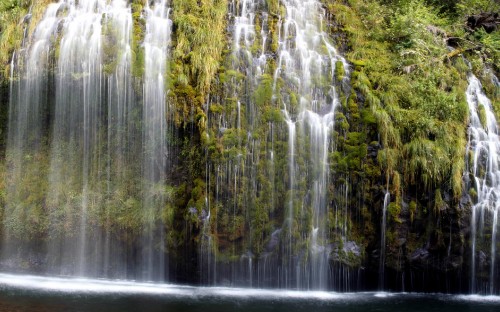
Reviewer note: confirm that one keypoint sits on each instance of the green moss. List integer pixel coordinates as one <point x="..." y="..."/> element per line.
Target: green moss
<point x="199" y="39"/>
<point x="439" y="203"/>
<point x="394" y="210"/>
<point x="263" y="94"/>
<point x="272" y="114"/>
<point x="473" y="194"/>
<point x="409" y="96"/>
<point x="339" y="71"/>
<point x="413" y="210"/>
<point x="111" y="53"/>
<point x="273" y="6"/>
<point x="138" y="33"/>
<point x="482" y="116"/>
<point x="11" y="33"/>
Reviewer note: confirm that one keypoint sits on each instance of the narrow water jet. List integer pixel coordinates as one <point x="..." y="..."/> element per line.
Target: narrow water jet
<point x="381" y="270"/>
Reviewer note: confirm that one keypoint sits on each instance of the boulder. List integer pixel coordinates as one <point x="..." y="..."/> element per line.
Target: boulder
<point x="489" y="21"/>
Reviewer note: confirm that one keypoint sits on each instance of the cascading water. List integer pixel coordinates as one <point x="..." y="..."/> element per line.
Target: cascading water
<point x="484" y="145"/>
<point x="237" y="187"/>
<point x="155" y="114"/>
<point x="306" y="64"/>
<point x="77" y="143"/>
<point x="288" y="108"/>
<point x="27" y="119"/>
<point x="107" y="146"/>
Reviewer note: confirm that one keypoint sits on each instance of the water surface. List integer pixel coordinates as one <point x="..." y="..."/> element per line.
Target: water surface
<point x="31" y="293"/>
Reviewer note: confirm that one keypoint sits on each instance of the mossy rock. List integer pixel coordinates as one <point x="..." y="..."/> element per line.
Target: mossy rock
<point x="339" y="71"/>
<point x="358" y="64"/>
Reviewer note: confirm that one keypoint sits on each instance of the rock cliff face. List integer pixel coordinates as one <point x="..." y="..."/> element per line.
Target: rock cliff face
<point x="262" y="143"/>
<point x="488" y="21"/>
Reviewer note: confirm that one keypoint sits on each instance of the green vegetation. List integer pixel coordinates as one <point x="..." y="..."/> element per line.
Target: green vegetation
<point x="11" y="31"/>
<point x="412" y="87"/>
<point x="199" y="41"/>
<point x="417" y="99"/>
<point x="137" y="39"/>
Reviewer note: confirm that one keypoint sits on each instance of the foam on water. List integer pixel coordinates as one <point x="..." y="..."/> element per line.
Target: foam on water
<point x="479" y="298"/>
<point x="95" y="286"/>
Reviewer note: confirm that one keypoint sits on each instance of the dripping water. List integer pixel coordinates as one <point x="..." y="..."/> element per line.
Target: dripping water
<point x="381" y="269"/>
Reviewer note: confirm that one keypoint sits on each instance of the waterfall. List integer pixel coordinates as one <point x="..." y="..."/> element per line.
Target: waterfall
<point x="106" y="154"/>
<point x="381" y="270"/>
<point x="158" y="26"/>
<point x="306" y="58"/>
<point x="27" y="118"/>
<point x="484" y="145"/>
<point x="274" y="111"/>
<point x="237" y="186"/>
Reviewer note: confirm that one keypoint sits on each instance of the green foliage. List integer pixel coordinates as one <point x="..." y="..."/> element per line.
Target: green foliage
<point x="439" y="203"/>
<point x="11" y="13"/>
<point x="339" y="71"/>
<point x="24" y="209"/>
<point x="469" y="7"/>
<point x="12" y="26"/>
<point x="416" y="100"/>
<point x="200" y="40"/>
<point x="138" y="33"/>
<point x="264" y="92"/>
<point x="273" y="6"/>
<point x="489" y="46"/>
<point x="394" y="209"/>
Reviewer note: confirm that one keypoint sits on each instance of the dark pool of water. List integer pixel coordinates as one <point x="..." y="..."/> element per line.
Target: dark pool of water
<point x="29" y="293"/>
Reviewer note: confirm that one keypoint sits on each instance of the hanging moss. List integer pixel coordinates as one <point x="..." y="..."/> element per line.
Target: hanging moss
<point x="339" y="70"/>
<point x="394" y="209"/>
<point x="138" y="33"/>
<point x="199" y="40"/>
<point x="413" y="210"/>
<point x="111" y="53"/>
<point x="264" y="92"/>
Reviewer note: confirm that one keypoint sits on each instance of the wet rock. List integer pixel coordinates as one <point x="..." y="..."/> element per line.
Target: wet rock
<point x="373" y="149"/>
<point x="455" y="262"/>
<point x="352" y="247"/>
<point x="420" y="254"/>
<point x="273" y="241"/>
<point x="26" y="19"/>
<point x="482" y="258"/>
<point x="349" y="255"/>
<point x="325" y="110"/>
<point x="436" y="31"/>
